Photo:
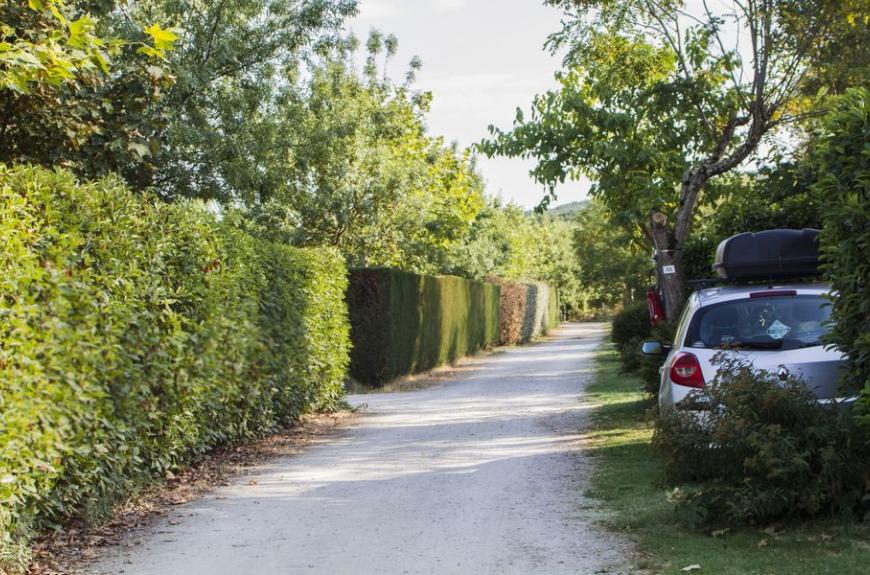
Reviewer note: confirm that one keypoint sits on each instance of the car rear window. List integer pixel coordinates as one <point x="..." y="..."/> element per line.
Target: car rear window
<point x="763" y="323"/>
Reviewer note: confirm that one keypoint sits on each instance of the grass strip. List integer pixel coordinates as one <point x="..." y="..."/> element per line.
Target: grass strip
<point x="629" y="479"/>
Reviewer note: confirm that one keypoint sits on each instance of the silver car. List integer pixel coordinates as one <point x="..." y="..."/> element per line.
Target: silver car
<point x="778" y="329"/>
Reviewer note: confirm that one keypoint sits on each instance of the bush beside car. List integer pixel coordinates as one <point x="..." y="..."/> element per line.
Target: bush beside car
<point x="754" y="448"/>
<point x="630" y="328"/>
<point x="842" y="161"/>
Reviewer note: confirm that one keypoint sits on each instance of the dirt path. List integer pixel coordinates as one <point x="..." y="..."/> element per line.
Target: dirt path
<point x="480" y="475"/>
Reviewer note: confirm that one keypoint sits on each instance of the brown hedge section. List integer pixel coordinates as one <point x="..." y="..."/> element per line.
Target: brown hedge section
<point x="512" y="311"/>
<point x="404" y="323"/>
<point x="136" y="335"/>
<point x="527" y="310"/>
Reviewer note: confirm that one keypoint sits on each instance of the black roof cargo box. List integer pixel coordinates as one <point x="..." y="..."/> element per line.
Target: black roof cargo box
<point x="768" y="255"/>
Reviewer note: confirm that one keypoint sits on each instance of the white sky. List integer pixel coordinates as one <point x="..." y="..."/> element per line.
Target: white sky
<point x="481" y="60"/>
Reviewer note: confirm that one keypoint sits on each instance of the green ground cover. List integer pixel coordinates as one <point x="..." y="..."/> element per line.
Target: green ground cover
<point x="629" y="479"/>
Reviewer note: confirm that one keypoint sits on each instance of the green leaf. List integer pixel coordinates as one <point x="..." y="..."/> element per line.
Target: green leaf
<point x="162" y="39"/>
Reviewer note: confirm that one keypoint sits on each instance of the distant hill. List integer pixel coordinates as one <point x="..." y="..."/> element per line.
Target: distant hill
<point x="566" y="210"/>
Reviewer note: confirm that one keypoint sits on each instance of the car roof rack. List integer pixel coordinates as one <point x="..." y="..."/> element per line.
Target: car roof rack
<point x="707" y="283"/>
<point x="704" y="283"/>
<point x="769" y="255"/>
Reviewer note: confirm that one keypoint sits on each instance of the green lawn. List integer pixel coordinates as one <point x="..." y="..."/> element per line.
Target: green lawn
<point x="629" y="480"/>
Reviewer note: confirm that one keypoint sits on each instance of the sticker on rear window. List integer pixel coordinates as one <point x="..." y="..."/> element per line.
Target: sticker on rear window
<point x="778" y="330"/>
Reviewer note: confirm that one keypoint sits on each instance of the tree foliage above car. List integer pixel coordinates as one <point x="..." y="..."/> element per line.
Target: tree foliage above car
<point x="658" y="100"/>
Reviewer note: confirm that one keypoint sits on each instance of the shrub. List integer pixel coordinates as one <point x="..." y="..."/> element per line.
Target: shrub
<point x="631" y="323"/>
<point x="841" y="157"/>
<point x="404" y="323"/>
<point x="512" y="311"/>
<point x="763" y="450"/>
<point x="536" y="311"/>
<point x="630" y="327"/>
<point x="526" y="310"/>
<point x="303" y="321"/>
<point x="136" y="335"/>
<point x="554" y="312"/>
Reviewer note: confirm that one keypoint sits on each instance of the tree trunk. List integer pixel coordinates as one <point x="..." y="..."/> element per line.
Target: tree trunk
<point x="669" y="265"/>
<point x="668" y="241"/>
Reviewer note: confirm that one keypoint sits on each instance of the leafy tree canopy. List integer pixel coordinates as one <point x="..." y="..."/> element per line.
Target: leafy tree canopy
<point x="658" y="100"/>
<point x="612" y="265"/>
<point x="71" y="93"/>
<point x="75" y="95"/>
<point x="235" y="62"/>
<point x="361" y="173"/>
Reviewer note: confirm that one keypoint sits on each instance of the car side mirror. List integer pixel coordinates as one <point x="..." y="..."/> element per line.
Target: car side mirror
<point x="654" y="347"/>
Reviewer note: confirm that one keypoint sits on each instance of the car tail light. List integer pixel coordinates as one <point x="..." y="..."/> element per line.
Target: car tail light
<point x="685" y="370"/>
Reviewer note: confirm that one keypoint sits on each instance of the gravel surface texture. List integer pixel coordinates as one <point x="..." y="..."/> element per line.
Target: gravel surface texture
<point x="482" y="474"/>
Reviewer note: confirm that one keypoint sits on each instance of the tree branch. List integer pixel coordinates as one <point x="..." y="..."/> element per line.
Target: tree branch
<point x="727" y="135"/>
<point x="738" y="87"/>
<point x="654" y="10"/>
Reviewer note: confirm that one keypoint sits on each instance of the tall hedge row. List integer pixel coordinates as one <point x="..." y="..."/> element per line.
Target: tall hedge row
<point x="554" y="312"/>
<point x="512" y="310"/>
<point x="539" y="314"/>
<point x="136" y="335"/>
<point x="403" y="323"/>
<point x="526" y="310"/>
<point x="842" y="158"/>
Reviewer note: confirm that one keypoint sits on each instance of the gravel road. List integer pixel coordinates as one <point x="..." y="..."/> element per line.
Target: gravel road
<point x="482" y="474"/>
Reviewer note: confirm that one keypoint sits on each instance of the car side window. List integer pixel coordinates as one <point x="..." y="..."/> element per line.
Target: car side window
<point x="683" y="324"/>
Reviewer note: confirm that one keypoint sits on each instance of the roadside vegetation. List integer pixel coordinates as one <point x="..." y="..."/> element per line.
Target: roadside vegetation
<point x="661" y="103"/>
<point x="260" y="108"/>
<point x="183" y="188"/>
<point x="630" y="478"/>
<point x="689" y="138"/>
<point x="404" y="323"/>
<point x="137" y="336"/>
<point x="769" y="482"/>
<point x="184" y="185"/>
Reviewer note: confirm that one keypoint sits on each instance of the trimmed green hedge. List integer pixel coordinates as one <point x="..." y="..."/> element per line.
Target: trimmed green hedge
<point x="540" y="314"/>
<point x="136" y="335"/>
<point x="403" y="323"/>
<point x="842" y="158"/>
<point x="554" y="315"/>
